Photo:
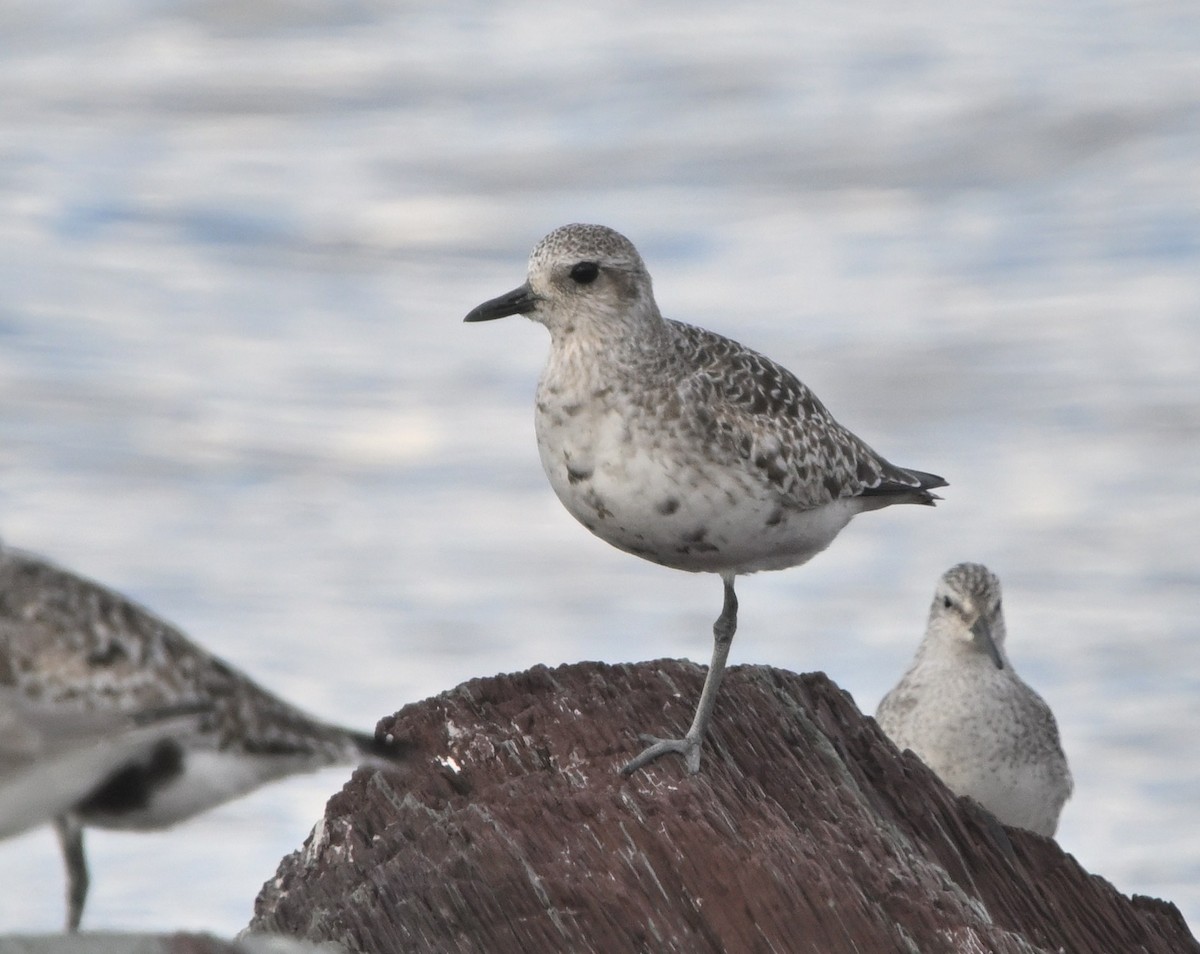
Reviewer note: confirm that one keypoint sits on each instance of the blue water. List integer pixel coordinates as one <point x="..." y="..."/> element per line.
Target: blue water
<point x="238" y="240"/>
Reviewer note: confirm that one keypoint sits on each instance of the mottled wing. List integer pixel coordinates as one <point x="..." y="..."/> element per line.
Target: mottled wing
<point x="1041" y="737"/>
<point x="895" y="709"/>
<point x="762" y="414"/>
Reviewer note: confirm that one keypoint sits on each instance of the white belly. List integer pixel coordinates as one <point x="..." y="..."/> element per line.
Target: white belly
<point x="654" y="496"/>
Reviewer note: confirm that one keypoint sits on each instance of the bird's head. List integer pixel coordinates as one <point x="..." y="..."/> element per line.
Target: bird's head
<point x="966" y="611"/>
<point x="582" y="278"/>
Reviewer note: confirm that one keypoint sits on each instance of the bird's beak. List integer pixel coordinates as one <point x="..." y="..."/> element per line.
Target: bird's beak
<point x="519" y="301"/>
<point x="983" y="634"/>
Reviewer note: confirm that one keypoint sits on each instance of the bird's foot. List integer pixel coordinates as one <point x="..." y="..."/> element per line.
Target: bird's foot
<point x="688" y="747"/>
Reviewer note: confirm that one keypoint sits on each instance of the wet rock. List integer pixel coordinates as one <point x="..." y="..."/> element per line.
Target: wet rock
<point x="804" y="831"/>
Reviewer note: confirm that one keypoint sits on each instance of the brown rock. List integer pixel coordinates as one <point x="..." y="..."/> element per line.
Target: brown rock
<point x="804" y="831"/>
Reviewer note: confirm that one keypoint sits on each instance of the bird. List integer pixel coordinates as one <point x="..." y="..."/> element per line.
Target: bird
<point x="679" y="445"/>
<point x="966" y="713"/>
<point x="111" y="718"/>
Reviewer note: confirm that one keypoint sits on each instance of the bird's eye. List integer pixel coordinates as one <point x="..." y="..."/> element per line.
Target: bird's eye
<point x="947" y="602"/>
<point x="584" y="273"/>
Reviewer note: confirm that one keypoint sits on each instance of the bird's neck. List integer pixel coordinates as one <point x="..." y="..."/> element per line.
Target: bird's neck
<point x="602" y="348"/>
<point x="950" y="649"/>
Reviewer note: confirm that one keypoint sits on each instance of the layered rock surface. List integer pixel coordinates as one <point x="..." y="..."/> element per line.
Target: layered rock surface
<point x="805" y="830"/>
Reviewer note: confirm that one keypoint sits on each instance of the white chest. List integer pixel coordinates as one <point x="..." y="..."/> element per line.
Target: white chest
<point x="987" y="738"/>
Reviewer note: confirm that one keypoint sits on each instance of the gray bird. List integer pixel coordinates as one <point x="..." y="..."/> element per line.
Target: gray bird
<point x="966" y="713"/>
<point x="110" y="717"/>
<point x="680" y="446"/>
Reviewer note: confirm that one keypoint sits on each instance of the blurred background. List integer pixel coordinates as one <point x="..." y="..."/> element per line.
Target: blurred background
<point x="239" y="236"/>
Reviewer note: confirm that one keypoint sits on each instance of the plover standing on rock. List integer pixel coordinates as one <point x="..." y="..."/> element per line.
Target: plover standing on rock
<point x="964" y="711"/>
<point x="112" y="718"/>
<point x="681" y="446"/>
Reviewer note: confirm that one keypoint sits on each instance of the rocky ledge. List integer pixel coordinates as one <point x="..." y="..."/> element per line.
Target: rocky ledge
<point x="804" y="831"/>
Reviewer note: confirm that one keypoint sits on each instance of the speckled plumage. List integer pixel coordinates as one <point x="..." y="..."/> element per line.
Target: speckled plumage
<point x="964" y="711"/>
<point x="682" y="446"/>
<point x="679" y="445"/>
<point x="115" y="719"/>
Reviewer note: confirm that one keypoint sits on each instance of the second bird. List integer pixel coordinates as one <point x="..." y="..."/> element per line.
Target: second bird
<point x="970" y="717"/>
<point x="680" y="446"/>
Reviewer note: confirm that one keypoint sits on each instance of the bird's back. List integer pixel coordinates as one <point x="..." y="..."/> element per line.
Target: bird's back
<point x="761" y="414"/>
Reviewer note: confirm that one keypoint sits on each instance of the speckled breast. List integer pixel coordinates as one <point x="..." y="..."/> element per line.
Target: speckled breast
<point x="644" y="488"/>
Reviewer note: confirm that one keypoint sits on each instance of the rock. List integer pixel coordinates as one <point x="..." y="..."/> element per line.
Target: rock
<point x="804" y="831"/>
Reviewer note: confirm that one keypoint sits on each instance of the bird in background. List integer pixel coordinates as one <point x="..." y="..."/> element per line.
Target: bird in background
<point x="962" y="708"/>
<point x="110" y="717"/>
<point x="681" y="446"/>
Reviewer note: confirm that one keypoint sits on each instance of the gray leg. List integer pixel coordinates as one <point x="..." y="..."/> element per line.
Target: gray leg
<point x="70" y="836"/>
<point x="689" y="745"/>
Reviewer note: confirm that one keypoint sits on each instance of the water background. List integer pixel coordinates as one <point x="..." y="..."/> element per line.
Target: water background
<point x="237" y="239"/>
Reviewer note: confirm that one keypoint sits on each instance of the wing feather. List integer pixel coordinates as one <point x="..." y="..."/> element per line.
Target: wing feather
<point x="745" y="404"/>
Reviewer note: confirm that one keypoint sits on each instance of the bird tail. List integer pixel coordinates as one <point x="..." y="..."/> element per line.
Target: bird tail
<point x="903" y="486"/>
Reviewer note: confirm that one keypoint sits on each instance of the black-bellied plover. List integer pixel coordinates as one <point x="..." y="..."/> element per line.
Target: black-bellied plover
<point x="964" y="711"/>
<point x="112" y="718"/>
<point x="680" y="446"/>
